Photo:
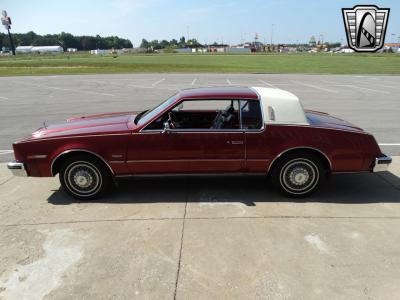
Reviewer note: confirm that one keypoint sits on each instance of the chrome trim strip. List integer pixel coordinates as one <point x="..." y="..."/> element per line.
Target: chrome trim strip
<point x="17" y="168"/>
<point x="203" y="130"/>
<point x="72" y="137"/>
<point x="160" y="175"/>
<point x="382" y="163"/>
<point x="296" y="148"/>
<point x="350" y="172"/>
<point x="79" y="150"/>
<point x="183" y="160"/>
<point x="39" y="156"/>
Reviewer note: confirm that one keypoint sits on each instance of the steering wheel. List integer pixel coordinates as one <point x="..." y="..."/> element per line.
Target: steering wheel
<point x="171" y="118"/>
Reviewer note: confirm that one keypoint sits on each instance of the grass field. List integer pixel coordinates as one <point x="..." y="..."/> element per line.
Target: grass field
<point x="213" y="63"/>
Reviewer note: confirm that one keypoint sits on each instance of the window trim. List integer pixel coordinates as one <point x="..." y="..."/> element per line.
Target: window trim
<point x="262" y="117"/>
<point x="205" y="130"/>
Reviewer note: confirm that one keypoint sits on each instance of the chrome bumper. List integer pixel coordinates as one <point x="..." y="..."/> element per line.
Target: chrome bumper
<point x="17" y="168"/>
<point x="382" y="163"/>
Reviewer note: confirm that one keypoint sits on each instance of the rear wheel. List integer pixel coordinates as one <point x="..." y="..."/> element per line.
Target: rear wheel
<point x="297" y="175"/>
<point x="84" y="177"/>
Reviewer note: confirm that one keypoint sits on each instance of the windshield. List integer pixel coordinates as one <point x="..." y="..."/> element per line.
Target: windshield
<point x="148" y="115"/>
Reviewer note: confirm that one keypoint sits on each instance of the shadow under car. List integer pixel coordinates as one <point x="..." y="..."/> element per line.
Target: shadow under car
<point x="340" y="188"/>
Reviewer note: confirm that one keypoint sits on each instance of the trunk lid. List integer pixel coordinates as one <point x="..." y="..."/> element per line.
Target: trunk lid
<point x="325" y="120"/>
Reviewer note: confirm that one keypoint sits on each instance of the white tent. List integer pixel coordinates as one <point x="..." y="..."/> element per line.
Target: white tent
<point x="39" y="49"/>
<point x="24" y="49"/>
<point x="47" y="49"/>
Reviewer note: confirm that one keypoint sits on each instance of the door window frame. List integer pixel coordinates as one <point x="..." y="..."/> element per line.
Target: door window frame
<point x="208" y="130"/>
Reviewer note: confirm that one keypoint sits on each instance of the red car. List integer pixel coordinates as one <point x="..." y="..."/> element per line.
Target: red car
<point x="225" y="130"/>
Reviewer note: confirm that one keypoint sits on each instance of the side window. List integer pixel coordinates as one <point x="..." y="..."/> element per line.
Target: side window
<point x="251" y="114"/>
<point x="201" y="114"/>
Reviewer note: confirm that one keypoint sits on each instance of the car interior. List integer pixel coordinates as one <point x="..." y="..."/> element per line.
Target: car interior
<point x="210" y="114"/>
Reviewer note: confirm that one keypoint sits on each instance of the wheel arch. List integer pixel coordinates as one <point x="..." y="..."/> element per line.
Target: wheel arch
<point x="61" y="157"/>
<point x="324" y="157"/>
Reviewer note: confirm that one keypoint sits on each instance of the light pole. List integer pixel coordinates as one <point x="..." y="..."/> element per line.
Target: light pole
<point x="6" y="21"/>
<point x="272" y="33"/>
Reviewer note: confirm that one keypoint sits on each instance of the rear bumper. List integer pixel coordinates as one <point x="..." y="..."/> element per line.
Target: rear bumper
<point x="17" y="168"/>
<point x="382" y="163"/>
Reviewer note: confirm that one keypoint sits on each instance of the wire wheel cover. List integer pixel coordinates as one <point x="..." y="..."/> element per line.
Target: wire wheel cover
<point x="83" y="178"/>
<point x="299" y="176"/>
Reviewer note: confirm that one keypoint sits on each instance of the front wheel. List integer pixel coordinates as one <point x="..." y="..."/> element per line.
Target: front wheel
<point x="297" y="175"/>
<point x="84" y="177"/>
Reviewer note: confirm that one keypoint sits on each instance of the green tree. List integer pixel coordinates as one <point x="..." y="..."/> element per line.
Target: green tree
<point x="312" y="41"/>
<point x="67" y="40"/>
<point x="144" y="44"/>
<point x="182" y="42"/>
<point x="164" y="44"/>
<point x="193" y="43"/>
<point x="155" y="45"/>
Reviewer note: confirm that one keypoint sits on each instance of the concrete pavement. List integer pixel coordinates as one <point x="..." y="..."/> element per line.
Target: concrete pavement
<point x="201" y="238"/>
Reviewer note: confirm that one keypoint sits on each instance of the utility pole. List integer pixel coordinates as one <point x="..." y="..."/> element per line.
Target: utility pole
<point x="11" y="42"/>
<point x="272" y="34"/>
<point x="6" y="21"/>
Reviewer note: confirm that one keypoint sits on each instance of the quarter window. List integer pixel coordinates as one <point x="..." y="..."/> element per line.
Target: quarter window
<point x="251" y="114"/>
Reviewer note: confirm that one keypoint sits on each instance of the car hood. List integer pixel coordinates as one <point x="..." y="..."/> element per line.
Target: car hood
<point x="112" y="123"/>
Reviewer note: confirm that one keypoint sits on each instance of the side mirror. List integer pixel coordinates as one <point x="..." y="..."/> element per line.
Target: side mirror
<point x="167" y="128"/>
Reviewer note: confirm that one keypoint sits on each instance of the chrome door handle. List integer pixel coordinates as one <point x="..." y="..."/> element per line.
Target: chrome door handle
<point x="237" y="142"/>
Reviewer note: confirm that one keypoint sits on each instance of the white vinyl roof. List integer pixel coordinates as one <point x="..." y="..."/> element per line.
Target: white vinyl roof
<point x="281" y="107"/>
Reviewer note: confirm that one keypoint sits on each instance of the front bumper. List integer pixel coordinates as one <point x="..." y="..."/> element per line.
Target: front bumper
<point x="382" y="163"/>
<point x="17" y="168"/>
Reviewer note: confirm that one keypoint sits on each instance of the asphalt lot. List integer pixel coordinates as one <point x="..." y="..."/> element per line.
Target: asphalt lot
<point x="371" y="102"/>
<point x="199" y="238"/>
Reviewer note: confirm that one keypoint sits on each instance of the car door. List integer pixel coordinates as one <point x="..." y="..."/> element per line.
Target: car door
<point x="257" y="144"/>
<point x="188" y="149"/>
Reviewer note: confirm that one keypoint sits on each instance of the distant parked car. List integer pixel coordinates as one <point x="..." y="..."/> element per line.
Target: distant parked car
<point x="227" y="130"/>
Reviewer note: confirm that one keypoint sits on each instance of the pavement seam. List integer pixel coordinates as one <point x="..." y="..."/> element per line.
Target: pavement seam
<point x="7" y="180"/>
<point x="181" y="246"/>
<point x="202" y="218"/>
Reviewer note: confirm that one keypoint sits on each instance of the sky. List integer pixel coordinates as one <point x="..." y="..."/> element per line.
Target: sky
<point x="227" y="21"/>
